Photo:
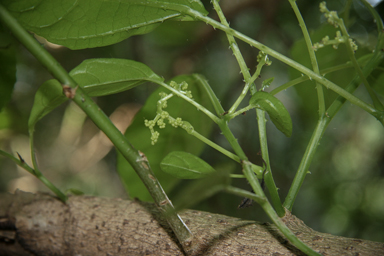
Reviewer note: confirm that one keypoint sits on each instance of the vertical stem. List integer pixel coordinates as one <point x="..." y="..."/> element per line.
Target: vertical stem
<point x="323" y="123"/>
<point x="260" y="113"/>
<point x="275" y="198"/>
<point x="262" y="199"/>
<point x="139" y="162"/>
<point x="232" y="43"/>
<point x="312" y="56"/>
<point x="267" y="207"/>
<point x="305" y="163"/>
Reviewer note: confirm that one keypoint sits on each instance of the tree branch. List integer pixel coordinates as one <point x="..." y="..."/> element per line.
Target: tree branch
<point x="39" y="224"/>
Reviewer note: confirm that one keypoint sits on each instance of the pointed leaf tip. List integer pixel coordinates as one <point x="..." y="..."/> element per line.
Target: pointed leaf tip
<point x="99" y="77"/>
<point x="184" y="165"/>
<point x="95" y="23"/>
<point x="275" y="109"/>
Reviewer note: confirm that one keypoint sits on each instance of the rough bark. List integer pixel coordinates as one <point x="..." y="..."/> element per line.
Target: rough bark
<point x="39" y="224"/>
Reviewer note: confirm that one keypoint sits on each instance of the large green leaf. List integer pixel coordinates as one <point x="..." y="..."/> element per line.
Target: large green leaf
<point x="171" y="139"/>
<point x="79" y="24"/>
<point x="97" y="77"/>
<point x="184" y="165"/>
<point x="275" y="109"/>
<point x="48" y="97"/>
<point x="101" y="77"/>
<point x="7" y="67"/>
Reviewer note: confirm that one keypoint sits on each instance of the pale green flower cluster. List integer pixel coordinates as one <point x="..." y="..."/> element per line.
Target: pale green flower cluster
<point x="331" y="16"/>
<point x="182" y="87"/>
<point x="163" y="115"/>
<point x="334" y="20"/>
<point x="263" y="56"/>
<point x="335" y="42"/>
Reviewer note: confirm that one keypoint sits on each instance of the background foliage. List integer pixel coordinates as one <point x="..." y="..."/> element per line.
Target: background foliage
<point x="344" y="195"/>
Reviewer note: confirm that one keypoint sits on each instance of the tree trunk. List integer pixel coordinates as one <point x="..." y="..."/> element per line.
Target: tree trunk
<point x="39" y="224"/>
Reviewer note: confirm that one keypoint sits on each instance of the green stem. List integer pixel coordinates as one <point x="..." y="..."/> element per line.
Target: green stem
<point x="37" y="174"/>
<point x="305" y="163"/>
<point x="137" y="160"/>
<point x="328" y="84"/>
<point x="32" y="148"/>
<point x="237" y="176"/>
<point x="239" y="112"/>
<point x="239" y="57"/>
<point x="267" y="207"/>
<point x="289" y="84"/>
<point x="305" y="78"/>
<point x="262" y="199"/>
<point x="248" y="84"/>
<point x="260" y="113"/>
<point x="231" y="32"/>
<point x="223" y="125"/>
<point x="215" y="146"/>
<point x="269" y="182"/>
<point x="312" y="56"/>
<point x="322" y="124"/>
<point x="244" y="193"/>
<point x="232" y="42"/>
<point x="197" y="105"/>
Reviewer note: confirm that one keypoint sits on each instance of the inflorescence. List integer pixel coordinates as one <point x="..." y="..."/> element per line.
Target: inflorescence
<point x="164" y="115"/>
<point x="333" y="19"/>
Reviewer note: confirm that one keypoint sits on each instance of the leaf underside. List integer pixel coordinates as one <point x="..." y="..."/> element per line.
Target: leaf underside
<point x="100" y="77"/>
<point x="184" y="165"/>
<point x="79" y="24"/>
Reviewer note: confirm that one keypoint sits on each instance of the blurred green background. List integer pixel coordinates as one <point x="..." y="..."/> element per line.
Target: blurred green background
<point x="343" y="195"/>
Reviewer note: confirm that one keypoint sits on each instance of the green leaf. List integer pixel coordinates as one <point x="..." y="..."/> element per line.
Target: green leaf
<point x="101" y="77"/>
<point x="79" y="24"/>
<point x="7" y="67"/>
<point x="275" y="109"/>
<point x="48" y="97"/>
<point x="171" y="139"/>
<point x="98" y="77"/>
<point x="184" y="165"/>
